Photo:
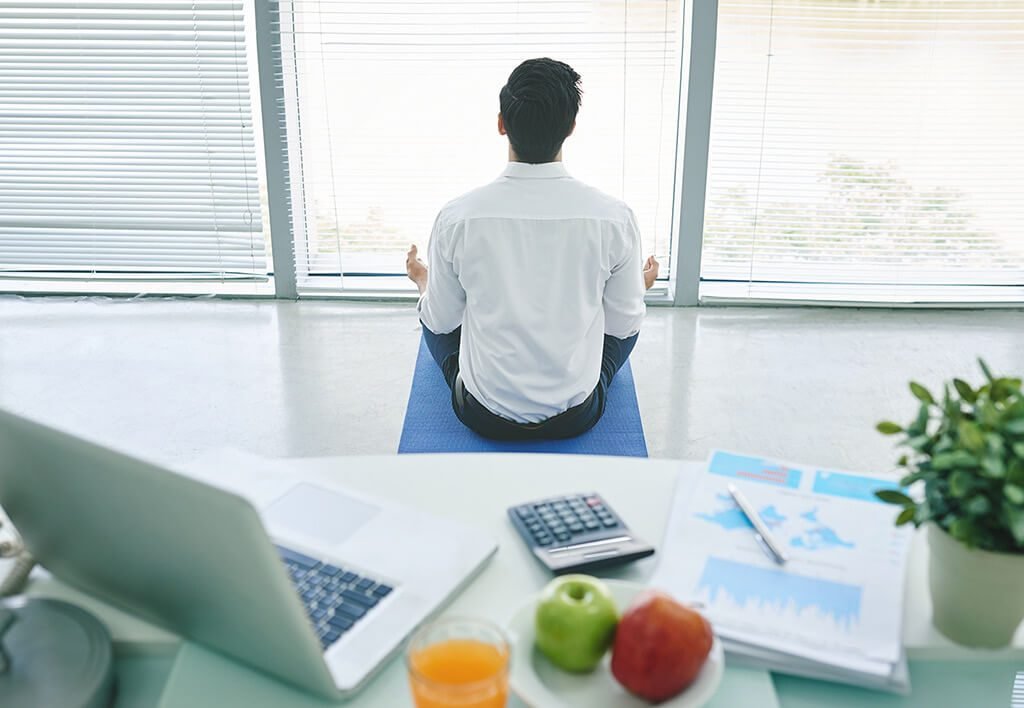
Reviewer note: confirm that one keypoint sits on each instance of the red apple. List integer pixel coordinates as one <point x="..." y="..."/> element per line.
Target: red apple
<point x="660" y="647"/>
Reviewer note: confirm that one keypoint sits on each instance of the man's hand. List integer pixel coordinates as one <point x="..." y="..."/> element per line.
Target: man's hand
<point x="416" y="269"/>
<point x="651" y="267"/>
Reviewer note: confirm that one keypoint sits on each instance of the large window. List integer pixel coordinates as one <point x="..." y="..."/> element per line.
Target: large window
<point x="853" y="150"/>
<point x="394" y="112"/>
<point x="867" y="150"/>
<point x="127" y="142"/>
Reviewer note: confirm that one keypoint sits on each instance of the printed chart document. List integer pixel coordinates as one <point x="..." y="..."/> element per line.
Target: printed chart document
<point x="835" y="609"/>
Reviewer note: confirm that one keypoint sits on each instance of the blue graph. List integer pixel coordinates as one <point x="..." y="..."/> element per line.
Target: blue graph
<point x="770" y="588"/>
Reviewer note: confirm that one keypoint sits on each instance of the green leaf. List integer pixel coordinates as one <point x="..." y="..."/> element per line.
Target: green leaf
<point x="915" y="477"/>
<point x="892" y="496"/>
<point x="902" y="462"/>
<point x="960" y="483"/>
<point x="944" y="444"/>
<point x="1014" y="494"/>
<point x="1015" y="471"/>
<point x="906" y="516"/>
<point x="920" y="424"/>
<point x="978" y="505"/>
<point x="1015" y="520"/>
<point x="887" y="427"/>
<point x="971" y="436"/>
<point x="919" y="442"/>
<point x="1002" y="389"/>
<point x="985" y="370"/>
<point x="965" y="390"/>
<point x="994" y="443"/>
<point x="993" y="467"/>
<point x="921" y="393"/>
<point x="1014" y="427"/>
<point x="1018" y="450"/>
<point x="987" y="413"/>
<point x="963" y="529"/>
<point x="964" y="459"/>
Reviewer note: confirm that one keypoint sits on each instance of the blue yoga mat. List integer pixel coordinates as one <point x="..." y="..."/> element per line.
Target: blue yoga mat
<point x="431" y="425"/>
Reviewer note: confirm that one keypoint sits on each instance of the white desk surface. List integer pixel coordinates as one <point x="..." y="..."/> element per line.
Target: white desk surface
<point x="477" y="489"/>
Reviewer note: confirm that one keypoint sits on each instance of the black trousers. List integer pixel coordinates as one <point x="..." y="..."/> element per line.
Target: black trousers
<point x="474" y="415"/>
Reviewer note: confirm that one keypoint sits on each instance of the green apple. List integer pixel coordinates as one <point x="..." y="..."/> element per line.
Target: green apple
<point x="575" y="622"/>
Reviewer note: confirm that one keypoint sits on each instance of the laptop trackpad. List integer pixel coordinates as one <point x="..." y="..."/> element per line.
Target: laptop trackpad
<point x="318" y="513"/>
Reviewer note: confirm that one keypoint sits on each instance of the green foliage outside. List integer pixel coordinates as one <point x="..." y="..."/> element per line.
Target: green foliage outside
<point x="868" y="214"/>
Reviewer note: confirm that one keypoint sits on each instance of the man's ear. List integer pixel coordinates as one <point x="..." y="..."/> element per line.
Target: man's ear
<point x="571" y="129"/>
<point x="501" y="125"/>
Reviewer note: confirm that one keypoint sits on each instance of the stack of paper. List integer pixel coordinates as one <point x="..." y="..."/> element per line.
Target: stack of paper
<point x="834" y="610"/>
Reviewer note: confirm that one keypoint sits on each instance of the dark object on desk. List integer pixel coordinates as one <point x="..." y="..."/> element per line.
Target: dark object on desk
<point x="54" y="654"/>
<point x="576" y="534"/>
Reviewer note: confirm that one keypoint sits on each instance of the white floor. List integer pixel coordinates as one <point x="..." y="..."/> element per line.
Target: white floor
<point x="174" y="378"/>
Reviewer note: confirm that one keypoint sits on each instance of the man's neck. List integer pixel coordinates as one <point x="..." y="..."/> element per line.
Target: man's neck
<point x="512" y="157"/>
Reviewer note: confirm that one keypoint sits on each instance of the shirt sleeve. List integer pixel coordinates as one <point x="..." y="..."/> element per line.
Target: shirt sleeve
<point x="624" y="290"/>
<point x="443" y="302"/>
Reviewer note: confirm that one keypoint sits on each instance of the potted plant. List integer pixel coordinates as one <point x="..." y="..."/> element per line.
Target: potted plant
<point x="967" y="453"/>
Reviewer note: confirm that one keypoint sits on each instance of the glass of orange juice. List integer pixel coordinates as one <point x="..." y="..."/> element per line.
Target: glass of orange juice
<point x="458" y="663"/>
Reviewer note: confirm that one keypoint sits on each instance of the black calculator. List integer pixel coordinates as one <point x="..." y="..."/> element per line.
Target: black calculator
<point x="577" y="533"/>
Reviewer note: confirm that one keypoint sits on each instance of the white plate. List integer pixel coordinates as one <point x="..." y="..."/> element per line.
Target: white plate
<point x="540" y="685"/>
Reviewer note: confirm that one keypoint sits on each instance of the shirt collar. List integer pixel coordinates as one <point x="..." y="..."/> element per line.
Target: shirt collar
<point x="544" y="170"/>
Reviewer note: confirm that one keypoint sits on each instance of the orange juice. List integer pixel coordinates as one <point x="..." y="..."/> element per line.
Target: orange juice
<point x="462" y="673"/>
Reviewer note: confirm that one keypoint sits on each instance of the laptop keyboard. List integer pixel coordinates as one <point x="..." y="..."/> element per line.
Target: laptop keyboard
<point x="335" y="599"/>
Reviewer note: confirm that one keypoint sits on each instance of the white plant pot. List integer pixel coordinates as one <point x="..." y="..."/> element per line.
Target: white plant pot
<point x="977" y="596"/>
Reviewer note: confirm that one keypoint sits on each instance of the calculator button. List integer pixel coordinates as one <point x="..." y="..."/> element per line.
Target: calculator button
<point x="591" y="525"/>
<point x="544" y="540"/>
<point x="524" y="512"/>
<point x="609" y="522"/>
<point x="594" y="501"/>
<point x="576" y="527"/>
<point x="562" y="536"/>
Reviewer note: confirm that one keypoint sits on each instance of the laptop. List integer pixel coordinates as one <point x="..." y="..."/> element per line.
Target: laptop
<point x="320" y="587"/>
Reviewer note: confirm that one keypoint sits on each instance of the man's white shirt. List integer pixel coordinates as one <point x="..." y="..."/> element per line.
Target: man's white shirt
<point x="536" y="267"/>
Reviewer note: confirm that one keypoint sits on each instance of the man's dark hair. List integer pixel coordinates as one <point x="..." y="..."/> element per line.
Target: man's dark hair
<point x="539" y="105"/>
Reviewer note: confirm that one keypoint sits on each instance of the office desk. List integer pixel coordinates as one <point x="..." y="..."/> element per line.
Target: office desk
<point x="476" y="489"/>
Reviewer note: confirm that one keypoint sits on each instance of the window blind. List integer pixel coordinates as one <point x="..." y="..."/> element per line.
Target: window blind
<point x="127" y="141"/>
<point x="871" y="145"/>
<point x="392" y="112"/>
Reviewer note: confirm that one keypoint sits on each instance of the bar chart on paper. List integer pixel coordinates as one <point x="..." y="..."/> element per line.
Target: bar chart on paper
<point x="778" y="594"/>
<point x="839" y="596"/>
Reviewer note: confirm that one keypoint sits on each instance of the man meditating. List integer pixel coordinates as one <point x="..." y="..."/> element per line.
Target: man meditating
<point x="535" y="289"/>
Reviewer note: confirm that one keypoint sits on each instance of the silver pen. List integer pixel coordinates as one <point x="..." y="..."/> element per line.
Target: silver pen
<point x="761" y="533"/>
